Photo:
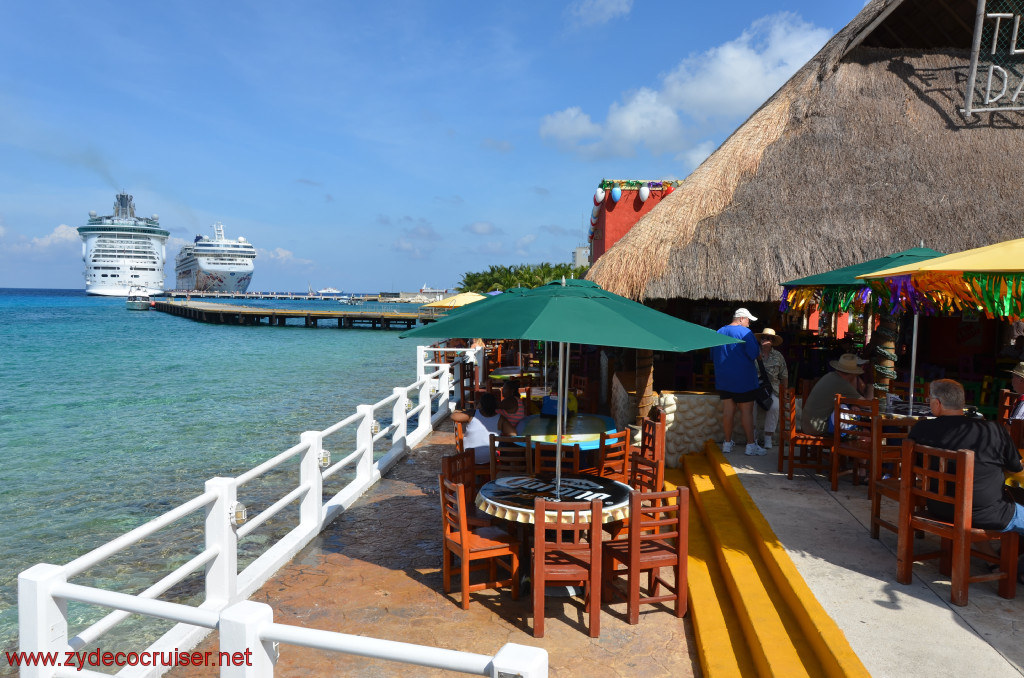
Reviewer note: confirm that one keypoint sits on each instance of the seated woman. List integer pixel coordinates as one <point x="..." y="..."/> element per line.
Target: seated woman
<point x="512" y="406"/>
<point x="479" y="425"/>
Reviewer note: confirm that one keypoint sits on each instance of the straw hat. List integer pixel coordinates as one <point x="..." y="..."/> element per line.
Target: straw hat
<point x="847" y="363"/>
<point x="1017" y="370"/>
<point x="769" y="333"/>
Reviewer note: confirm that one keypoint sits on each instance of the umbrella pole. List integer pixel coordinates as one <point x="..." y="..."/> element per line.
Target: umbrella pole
<point x="913" y="362"/>
<point x="562" y="400"/>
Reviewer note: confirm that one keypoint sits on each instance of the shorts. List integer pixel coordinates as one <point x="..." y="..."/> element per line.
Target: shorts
<point x="1017" y="522"/>
<point x="744" y="397"/>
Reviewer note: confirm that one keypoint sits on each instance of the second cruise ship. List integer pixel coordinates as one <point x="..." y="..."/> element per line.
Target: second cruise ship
<point x="217" y="265"/>
<point x="123" y="251"/>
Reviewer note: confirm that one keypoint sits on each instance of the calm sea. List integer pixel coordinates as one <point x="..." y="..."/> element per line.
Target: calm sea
<point x="110" y="417"/>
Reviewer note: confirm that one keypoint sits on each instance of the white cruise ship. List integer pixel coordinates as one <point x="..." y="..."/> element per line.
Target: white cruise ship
<point x="123" y="251"/>
<point x="217" y="265"/>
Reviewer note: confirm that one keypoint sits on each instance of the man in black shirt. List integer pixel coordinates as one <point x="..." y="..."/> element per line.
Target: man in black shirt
<point x="994" y="506"/>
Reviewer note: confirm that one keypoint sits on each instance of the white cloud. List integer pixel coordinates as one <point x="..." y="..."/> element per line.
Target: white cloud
<point x="282" y="256"/>
<point x="3" y="231"/>
<point x="411" y="249"/>
<point x="596" y="12"/>
<point x="707" y="93"/>
<point x="522" y="247"/>
<point x="61" y="239"/>
<point x="482" y="228"/>
<point x="498" y="145"/>
<point x="698" y="153"/>
<point x="491" y="248"/>
<point x="62" y="235"/>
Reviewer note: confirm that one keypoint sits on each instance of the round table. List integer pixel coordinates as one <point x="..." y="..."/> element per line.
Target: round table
<point x="511" y="498"/>
<point x="580" y="429"/>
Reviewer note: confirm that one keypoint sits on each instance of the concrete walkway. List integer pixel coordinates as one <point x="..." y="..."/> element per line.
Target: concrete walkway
<point x="376" y="572"/>
<point x="897" y="630"/>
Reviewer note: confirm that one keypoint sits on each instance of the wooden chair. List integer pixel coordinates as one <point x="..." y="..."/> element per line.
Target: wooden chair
<point x="490" y="544"/>
<point x="947" y="477"/>
<point x="510" y="455"/>
<point x="646" y="475"/>
<point x="886" y="467"/>
<point x="567" y="550"/>
<point x="613" y="456"/>
<point x="544" y="458"/>
<point x="803" y="450"/>
<point x="659" y="538"/>
<point x="652" y="435"/>
<point x="481" y="472"/>
<point x="856" y="437"/>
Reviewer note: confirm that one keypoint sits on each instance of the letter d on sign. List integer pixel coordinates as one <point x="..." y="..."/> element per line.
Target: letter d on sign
<point x="988" y="90"/>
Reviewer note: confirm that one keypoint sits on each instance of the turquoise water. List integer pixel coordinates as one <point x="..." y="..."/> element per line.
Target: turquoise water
<point x="110" y="417"/>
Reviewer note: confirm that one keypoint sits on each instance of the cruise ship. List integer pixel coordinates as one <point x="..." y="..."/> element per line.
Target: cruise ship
<point x="217" y="265"/>
<point x="122" y="251"/>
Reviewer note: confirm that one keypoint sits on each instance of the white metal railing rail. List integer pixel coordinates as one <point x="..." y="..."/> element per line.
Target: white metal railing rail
<point x="44" y="590"/>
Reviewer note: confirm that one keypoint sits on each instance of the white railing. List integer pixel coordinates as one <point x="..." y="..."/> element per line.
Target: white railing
<point x="44" y="590"/>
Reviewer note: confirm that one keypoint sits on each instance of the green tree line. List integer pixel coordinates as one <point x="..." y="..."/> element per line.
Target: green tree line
<point x="502" y="278"/>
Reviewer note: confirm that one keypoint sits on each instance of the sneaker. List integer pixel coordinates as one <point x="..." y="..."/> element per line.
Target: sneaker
<point x="768" y="441"/>
<point x="755" y="450"/>
<point x="727" y="446"/>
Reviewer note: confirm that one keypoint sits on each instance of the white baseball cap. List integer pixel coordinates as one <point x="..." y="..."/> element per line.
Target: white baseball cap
<point x="743" y="313"/>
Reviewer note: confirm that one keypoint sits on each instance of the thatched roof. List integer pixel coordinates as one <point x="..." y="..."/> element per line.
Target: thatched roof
<point x="861" y="154"/>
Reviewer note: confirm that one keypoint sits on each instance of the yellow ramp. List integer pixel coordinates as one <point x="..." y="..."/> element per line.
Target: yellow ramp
<point x="752" y="612"/>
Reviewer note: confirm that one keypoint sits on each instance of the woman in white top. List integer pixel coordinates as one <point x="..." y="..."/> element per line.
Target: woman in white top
<point x="477" y="429"/>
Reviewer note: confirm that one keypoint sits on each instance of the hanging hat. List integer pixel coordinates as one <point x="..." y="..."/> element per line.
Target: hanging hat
<point x="847" y="363"/>
<point x="769" y="334"/>
<point x="1017" y="370"/>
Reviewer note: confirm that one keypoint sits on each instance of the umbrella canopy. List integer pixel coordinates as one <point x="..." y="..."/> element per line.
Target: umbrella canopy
<point x="990" y="277"/>
<point x="578" y="312"/>
<point x="835" y="291"/>
<point x="455" y="301"/>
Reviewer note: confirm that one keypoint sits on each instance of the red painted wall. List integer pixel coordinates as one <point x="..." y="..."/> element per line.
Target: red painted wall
<point x="616" y="218"/>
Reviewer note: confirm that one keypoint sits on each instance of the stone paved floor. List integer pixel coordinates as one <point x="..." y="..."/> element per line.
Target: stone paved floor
<point x="375" y="571"/>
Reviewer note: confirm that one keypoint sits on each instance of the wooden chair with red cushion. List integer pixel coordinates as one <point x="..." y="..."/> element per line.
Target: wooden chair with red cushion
<point x="947" y="476"/>
<point x="470" y="545"/>
<point x="658" y="538"/>
<point x="567" y="551"/>
<point x="804" y="450"/>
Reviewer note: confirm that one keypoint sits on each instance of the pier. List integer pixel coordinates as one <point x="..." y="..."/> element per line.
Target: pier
<point x="231" y="314"/>
<point x="284" y="296"/>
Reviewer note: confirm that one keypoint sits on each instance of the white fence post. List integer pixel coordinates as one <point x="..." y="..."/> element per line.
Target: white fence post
<point x="522" y="661"/>
<point x="444" y="390"/>
<point x="42" y="619"/>
<point x="250" y="657"/>
<point x="311" y="508"/>
<point x="364" y="441"/>
<point x="421" y="362"/>
<point x="222" y="571"/>
<point x="400" y="418"/>
<point x="423" y="400"/>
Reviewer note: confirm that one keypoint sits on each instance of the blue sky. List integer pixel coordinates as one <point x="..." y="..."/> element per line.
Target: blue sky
<point x="368" y="146"/>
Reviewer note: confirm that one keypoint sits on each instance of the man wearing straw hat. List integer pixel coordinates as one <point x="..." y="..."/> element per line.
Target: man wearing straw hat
<point x="778" y="375"/>
<point x="736" y="379"/>
<point x="845" y="380"/>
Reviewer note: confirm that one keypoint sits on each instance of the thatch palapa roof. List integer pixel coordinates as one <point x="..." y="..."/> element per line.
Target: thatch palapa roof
<point x="862" y="153"/>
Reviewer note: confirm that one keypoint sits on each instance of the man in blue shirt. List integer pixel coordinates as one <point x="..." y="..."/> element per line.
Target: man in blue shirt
<point x="736" y="379"/>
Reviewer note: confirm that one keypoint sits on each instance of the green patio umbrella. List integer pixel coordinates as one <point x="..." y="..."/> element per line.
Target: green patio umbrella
<point x="574" y="312"/>
<point x="837" y="290"/>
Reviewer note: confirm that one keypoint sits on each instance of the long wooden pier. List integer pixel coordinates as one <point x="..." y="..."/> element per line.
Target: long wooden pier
<point x="230" y="314"/>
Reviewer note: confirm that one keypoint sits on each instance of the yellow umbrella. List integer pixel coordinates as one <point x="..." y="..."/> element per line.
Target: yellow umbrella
<point x="456" y="301"/>
<point x="990" y="277"/>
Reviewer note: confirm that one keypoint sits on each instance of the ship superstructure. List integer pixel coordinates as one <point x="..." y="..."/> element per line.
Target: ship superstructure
<point x="215" y="265"/>
<point x="122" y="251"/>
